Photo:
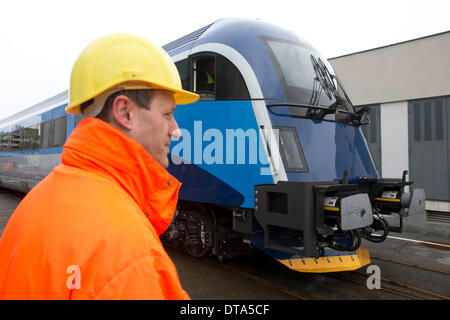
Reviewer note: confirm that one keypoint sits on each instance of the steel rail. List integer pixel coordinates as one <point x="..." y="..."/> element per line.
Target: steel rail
<point x="252" y="276"/>
<point x="411" y="265"/>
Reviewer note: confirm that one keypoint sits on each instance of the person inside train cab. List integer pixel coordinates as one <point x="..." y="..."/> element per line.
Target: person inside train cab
<point x="206" y="76"/>
<point x="90" y="229"/>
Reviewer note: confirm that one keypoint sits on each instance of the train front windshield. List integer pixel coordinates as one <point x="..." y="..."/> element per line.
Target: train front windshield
<point x="306" y="78"/>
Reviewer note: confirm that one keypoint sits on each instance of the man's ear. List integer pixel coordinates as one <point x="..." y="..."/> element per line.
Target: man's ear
<point x="121" y="111"/>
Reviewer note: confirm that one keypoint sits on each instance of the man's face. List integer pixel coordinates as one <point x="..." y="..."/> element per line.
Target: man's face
<point x="154" y="128"/>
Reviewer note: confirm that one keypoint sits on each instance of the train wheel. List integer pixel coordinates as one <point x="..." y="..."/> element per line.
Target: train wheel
<point x="198" y="233"/>
<point x="197" y="251"/>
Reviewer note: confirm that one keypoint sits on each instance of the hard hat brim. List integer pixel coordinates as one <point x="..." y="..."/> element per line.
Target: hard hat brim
<point x="181" y="96"/>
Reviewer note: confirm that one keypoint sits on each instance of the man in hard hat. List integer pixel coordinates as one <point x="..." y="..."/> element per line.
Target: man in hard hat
<point x="90" y="229"/>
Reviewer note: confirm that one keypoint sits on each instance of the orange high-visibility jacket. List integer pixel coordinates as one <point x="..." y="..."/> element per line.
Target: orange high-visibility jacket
<point x="90" y="229"/>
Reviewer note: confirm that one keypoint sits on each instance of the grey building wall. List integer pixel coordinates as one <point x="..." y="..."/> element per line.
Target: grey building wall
<point x="409" y="70"/>
<point x="409" y="82"/>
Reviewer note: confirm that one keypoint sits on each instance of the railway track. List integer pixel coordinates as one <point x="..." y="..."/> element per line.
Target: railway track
<point x="411" y="265"/>
<point x="294" y="293"/>
<point x="355" y="282"/>
<point x="387" y="285"/>
<point x="398" y="287"/>
<point x="391" y="286"/>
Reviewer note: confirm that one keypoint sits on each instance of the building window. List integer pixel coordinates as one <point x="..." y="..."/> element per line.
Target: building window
<point x="439" y="118"/>
<point x="427" y="119"/>
<point x="417" y="126"/>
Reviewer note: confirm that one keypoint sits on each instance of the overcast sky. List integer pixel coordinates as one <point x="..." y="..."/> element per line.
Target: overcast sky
<point x="41" y="39"/>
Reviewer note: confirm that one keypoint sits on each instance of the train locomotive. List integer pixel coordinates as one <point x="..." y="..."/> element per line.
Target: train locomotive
<point x="271" y="157"/>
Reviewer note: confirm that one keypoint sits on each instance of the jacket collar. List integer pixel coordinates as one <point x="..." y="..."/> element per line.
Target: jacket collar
<point x="98" y="147"/>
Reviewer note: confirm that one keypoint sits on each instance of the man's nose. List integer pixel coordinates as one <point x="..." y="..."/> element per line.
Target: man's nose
<point x="175" y="132"/>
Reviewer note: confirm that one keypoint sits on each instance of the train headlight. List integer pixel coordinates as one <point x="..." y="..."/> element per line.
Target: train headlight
<point x="291" y="150"/>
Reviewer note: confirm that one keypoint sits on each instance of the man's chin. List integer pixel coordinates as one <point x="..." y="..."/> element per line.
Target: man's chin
<point x="164" y="162"/>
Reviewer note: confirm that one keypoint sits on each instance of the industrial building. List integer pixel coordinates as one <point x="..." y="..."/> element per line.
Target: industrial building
<point x="407" y="86"/>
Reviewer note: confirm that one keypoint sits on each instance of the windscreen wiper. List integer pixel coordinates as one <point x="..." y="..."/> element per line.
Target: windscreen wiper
<point x="319" y="112"/>
<point x="326" y="80"/>
<point x="358" y="118"/>
<point x="315" y="112"/>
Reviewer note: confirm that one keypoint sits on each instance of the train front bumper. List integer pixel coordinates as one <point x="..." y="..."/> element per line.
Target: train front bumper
<point x="329" y="260"/>
<point x="317" y="226"/>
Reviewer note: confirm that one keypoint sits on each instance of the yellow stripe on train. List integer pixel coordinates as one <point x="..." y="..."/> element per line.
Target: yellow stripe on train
<point x="387" y="199"/>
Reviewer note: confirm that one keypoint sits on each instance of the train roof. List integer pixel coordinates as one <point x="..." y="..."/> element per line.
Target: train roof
<point x="237" y="31"/>
<point x="244" y="42"/>
<point x="47" y="104"/>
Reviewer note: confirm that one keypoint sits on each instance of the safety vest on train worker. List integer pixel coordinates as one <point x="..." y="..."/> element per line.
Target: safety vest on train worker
<point x="90" y="229"/>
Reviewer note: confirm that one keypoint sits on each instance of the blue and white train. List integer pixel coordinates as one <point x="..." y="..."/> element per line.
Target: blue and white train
<point x="272" y="156"/>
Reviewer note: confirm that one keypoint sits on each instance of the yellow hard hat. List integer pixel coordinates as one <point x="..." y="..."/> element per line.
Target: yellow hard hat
<point x="123" y="61"/>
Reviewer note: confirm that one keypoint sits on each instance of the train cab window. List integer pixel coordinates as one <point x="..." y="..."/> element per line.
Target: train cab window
<point x="230" y="83"/>
<point x="217" y="78"/>
<point x="204" y="77"/>
<point x="183" y="70"/>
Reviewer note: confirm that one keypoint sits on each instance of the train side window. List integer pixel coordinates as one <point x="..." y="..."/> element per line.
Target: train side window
<point x="20" y="140"/>
<point x="77" y="118"/>
<point x="183" y="70"/>
<point x="28" y="138"/>
<point x="204" y="77"/>
<point x="46" y="134"/>
<point x="59" y="132"/>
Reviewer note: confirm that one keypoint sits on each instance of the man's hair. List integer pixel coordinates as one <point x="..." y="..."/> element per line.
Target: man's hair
<point x="141" y="97"/>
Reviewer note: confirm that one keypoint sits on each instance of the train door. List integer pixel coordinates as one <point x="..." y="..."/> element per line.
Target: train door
<point x="428" y="121"/>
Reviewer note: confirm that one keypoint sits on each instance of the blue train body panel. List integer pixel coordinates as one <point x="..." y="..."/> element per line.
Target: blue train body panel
<point x="213" y="169"/>
<point x="330" y="148"/>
